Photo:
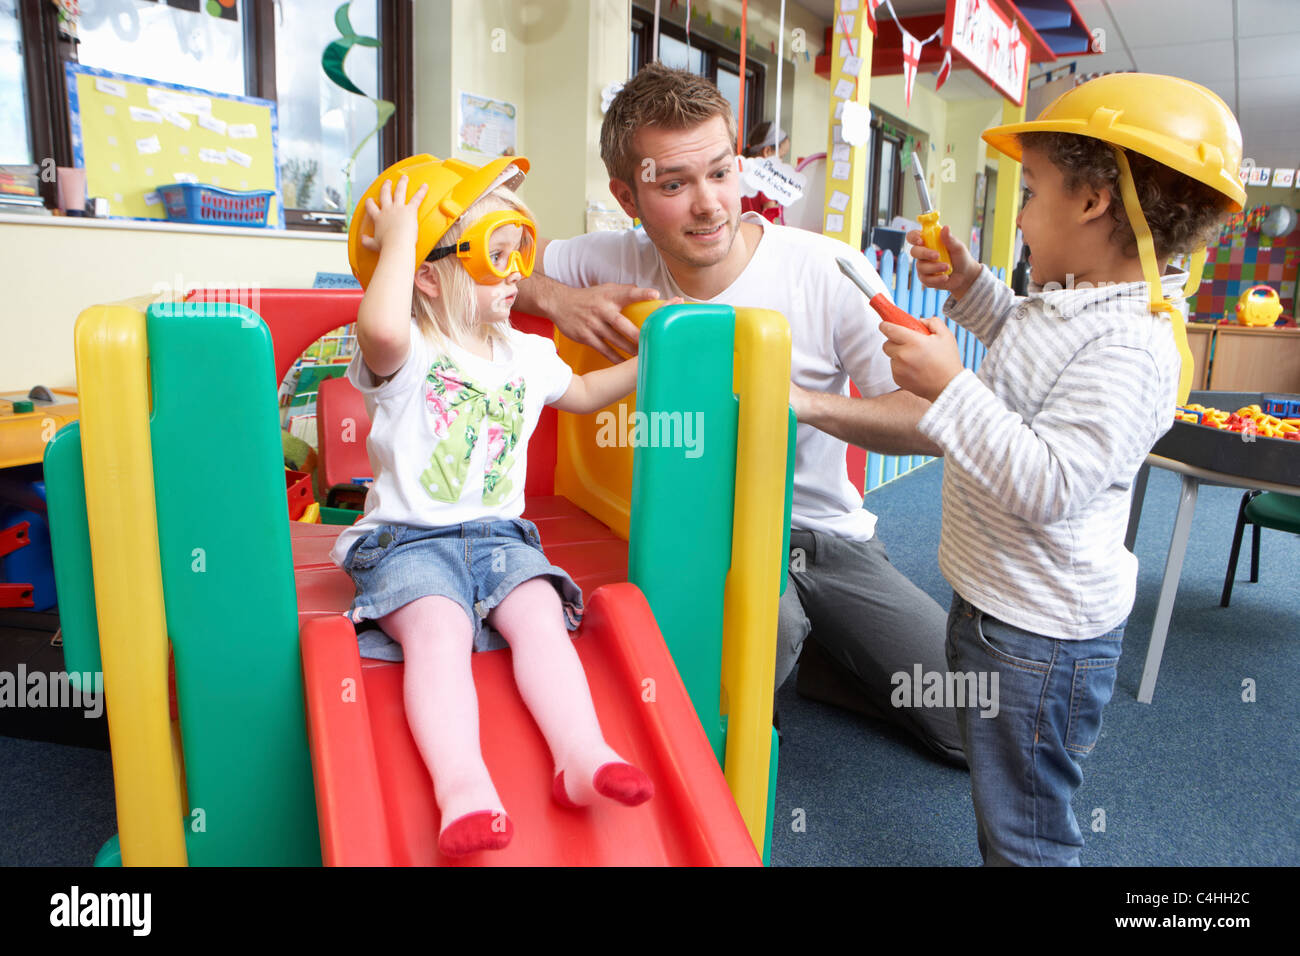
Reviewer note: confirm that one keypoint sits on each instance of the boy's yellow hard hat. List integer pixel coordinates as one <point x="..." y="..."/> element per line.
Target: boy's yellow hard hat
<point x="1173" y="121"/>
<point x="454" y="186"/>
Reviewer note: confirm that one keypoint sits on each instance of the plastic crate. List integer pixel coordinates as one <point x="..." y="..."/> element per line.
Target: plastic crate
<point x="210" y="205"/>
<point x="1282" y="406"/>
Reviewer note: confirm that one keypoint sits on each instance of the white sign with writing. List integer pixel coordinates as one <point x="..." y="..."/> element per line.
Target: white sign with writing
<point x="774" y="179"/>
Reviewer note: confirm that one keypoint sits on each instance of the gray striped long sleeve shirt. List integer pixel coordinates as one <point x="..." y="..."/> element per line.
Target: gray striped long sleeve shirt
<point x="1042" y="445"/>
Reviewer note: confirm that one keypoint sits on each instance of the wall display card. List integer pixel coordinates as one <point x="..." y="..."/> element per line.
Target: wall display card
<point x="847" y="5"/>
<point x="179" y="135"/>
<point x="487" y="126"/>
<point x="177" y="102"/>
<point x="840" y="153"/>
<point x="208" y="121"/>
<point x="839" y="201"/>
<point x="857" y="124"/>
<point x="853" y="65"/>
<point x="834" y="223"/>
<point x="841" y="170"/>
<point x="1259" y="175"/>
<point x="843" y="89"/>
<point x="1284" y="178"/>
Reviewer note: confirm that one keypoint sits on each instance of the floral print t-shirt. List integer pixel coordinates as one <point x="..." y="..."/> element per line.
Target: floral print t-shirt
<point x="449" y="432"/>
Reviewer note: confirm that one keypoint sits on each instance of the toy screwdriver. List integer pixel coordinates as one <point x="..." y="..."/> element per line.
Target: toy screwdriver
<point x="878" y="296"/>
<point x="929" y="218"/>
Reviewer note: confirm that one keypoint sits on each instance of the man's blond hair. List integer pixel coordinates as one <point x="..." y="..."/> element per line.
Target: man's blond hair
<point x="663" y="97"/>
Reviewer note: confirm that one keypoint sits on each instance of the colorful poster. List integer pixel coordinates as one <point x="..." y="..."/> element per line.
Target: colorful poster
<point x="487" y="126"/>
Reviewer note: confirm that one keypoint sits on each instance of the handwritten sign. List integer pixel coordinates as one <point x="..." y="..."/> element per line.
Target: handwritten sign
<point x="775" y="179"/>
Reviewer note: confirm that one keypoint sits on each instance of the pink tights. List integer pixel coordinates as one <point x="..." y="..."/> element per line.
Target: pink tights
<point x="442" y="711"/>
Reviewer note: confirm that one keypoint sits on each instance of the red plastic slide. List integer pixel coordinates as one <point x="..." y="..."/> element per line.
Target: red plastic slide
<point x="374" y="797"/>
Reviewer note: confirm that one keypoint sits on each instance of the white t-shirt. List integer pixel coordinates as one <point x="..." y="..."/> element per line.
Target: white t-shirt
<point x="449" y="432"/>
<point x="835" y="337"/>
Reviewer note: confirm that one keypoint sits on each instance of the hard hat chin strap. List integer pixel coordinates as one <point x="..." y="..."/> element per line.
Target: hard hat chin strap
<point x="1151" y="272"/>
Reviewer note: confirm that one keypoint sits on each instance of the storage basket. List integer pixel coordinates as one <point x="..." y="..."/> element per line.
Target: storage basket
<point x="213" y="206"/>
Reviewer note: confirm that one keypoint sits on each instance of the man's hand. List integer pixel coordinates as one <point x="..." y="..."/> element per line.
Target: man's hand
<point x="922" y="364"/>
<point x="935" y="274"/>
<point x="594" y="317"/>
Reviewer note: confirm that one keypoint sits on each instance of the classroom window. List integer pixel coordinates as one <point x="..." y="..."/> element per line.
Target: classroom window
<point x="270" y="49"/>
<point x="321" y="123"/>
<point x="702" y="56"/>
<point x="15" y="141"/>
<point x="185" y="45"/>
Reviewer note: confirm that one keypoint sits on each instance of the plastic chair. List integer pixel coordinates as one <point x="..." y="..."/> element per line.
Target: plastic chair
<point x="1263" y="509"/>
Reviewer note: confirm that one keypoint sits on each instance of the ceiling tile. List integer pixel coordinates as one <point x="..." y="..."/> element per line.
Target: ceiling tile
<point x="1264" y="17"/>
<point x="1212" y="56"/>
<point x="1267" y="56"/>
<point x="1151" y="24"/>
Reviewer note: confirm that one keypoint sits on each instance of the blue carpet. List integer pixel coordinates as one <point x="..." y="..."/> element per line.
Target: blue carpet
<point x="1196" y="778"/>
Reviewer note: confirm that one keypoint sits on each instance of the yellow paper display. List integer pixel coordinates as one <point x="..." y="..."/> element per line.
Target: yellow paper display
<point x="132" y="135"/>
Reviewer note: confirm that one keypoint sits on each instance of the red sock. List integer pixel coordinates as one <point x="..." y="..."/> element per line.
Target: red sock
<point x="624" y="783"/>
<point x="484" y="830"/>
<point x="618" y="781"/>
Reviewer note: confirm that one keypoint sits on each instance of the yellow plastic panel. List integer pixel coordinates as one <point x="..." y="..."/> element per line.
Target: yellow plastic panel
<point x="753" y="592"/>
<point x="112" y="373"/>
<point x="592" y="471"/>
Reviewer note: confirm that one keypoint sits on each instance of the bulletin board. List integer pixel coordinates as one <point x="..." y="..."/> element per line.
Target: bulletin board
<point x="132" y="135"/>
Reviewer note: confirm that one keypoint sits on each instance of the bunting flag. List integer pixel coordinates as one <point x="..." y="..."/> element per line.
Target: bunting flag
<point x="911" y="60"/>
<point x="944" y="70"/>
<point x="870" y="10"/>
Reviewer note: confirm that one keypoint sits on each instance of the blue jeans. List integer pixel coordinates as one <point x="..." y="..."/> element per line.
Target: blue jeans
<point x="1024" y="762"/>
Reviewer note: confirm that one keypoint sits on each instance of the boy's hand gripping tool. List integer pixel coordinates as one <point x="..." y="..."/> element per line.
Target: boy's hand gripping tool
<point x="931" y="231"/>
<point x="878" y="296"/>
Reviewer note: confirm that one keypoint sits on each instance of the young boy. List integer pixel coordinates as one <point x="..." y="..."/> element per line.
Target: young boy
<point x="1041" y="446"/>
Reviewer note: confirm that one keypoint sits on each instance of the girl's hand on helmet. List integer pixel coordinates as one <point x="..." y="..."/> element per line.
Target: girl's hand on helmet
<point x="393" y="219"/>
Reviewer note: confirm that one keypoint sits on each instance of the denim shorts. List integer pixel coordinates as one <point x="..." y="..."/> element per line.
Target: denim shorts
<point x="475" y="564"/>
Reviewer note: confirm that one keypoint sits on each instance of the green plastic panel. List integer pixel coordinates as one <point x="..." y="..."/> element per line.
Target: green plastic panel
<point x="679" y="541"/>
<point x="65" y="493"/>
<point x="231" y="606"/>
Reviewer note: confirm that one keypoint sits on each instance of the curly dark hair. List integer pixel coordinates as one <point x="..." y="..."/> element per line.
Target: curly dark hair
<point x="1181" y="212"/>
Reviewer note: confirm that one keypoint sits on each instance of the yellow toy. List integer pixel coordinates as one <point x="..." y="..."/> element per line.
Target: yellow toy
<point x="1258" y="306"/>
